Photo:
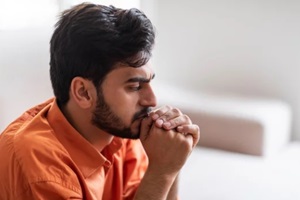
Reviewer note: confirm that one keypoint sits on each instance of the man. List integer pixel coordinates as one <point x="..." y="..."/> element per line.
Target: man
<point x="98" y="138"/>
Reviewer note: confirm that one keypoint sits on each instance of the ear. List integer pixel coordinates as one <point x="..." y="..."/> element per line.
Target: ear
<point x="81" y="91"/>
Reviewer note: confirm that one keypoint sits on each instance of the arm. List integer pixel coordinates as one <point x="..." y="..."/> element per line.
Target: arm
<point x="154" y="186"/>
<point x="167" y="151"/>
<point x="173" y="193"/>
<point x="158" y="187"/>
<point x="169" y="118"/>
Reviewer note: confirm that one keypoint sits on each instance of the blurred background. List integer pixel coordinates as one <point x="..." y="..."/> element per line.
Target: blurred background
<point x="233" y="65"/>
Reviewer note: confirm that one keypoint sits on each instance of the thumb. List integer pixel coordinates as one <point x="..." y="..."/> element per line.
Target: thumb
<point x="146" y="125"/>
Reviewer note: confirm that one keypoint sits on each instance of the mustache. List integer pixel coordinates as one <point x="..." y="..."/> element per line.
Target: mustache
<point x="142" y="113"/>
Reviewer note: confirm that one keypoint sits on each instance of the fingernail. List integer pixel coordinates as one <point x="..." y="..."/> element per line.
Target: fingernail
<point x="155" y="116"/>
<point x="159" y="122"/>
<point x="167" y="124"/>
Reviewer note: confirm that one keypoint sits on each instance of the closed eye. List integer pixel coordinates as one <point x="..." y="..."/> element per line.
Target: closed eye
<point x="136" y="88"/>
<point x="138" y="82"/>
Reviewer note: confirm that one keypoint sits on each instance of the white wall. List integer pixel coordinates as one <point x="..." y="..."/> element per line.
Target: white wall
<point x="24" y="76"/>
<point x="24" y="53"/>
<point x="247" y="47"/>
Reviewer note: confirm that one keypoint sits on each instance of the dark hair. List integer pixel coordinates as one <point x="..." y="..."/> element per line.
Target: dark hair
<point x="89" y="40"/>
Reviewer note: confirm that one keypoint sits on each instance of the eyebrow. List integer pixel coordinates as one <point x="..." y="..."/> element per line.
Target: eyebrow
<point x="140" y="79"/>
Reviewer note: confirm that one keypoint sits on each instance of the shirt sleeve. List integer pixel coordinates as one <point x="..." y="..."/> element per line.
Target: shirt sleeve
<point x="135" y="166"/>
<point x="50" y="190"/>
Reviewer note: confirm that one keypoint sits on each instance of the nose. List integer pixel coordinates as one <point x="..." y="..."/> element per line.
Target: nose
<point x="148" y="98"/>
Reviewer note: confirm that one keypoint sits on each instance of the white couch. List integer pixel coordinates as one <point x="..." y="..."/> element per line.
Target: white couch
<point x="254" y="126"/>
<point x="212" y="174"/>
<point x="245" y="150"/>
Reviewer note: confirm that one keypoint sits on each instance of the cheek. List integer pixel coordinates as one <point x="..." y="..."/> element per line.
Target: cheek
<point x="128" y="107"/>
<point x="124" y="105"/>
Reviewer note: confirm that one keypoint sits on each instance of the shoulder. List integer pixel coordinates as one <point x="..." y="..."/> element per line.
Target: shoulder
<point x="42" y="157"/>
<point x="36" y="158"/>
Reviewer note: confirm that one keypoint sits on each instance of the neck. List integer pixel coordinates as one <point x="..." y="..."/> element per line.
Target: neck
<point x="81" y="120"/>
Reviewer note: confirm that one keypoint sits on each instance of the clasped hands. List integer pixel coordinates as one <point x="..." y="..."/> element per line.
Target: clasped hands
<point x="168" y="137"/>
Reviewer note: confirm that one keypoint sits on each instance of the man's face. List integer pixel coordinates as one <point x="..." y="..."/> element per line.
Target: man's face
<point x="124" y="99"/>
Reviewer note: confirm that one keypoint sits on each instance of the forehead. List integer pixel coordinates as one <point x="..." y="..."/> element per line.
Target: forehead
<point x="122" y="73"/>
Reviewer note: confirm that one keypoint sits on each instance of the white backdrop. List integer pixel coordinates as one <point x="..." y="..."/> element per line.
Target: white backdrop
<point x="244" y="47"/>
<point x="25" y="31"/>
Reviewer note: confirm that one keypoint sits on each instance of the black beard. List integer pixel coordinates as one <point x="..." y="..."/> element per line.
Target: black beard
<point x="104" y="118"/>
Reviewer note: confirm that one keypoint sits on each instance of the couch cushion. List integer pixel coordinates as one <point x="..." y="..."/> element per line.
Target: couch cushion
<point x="254" y="126"/>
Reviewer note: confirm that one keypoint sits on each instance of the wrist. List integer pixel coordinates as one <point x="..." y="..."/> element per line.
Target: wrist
<point x="160" y="174"/>
<point x="166" y="170"/>
<point x="155" y="185"/>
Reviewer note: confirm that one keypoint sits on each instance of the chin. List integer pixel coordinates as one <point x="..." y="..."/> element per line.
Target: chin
<point x="135" y="133"/>
<point x="135" y="129"/>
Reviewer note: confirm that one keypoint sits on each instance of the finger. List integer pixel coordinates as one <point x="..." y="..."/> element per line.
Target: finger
<point x="145" y="128"/>
<point x="190" y="140"/>
<point x="175" y="122"/>
<point x="164" y="115"/>
<point x="192" y="130"/>
<point x="159" y="112"/>
<point x="170" y="114"/>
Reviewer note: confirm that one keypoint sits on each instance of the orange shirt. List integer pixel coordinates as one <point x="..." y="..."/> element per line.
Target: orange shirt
<point x="43" y="157"/>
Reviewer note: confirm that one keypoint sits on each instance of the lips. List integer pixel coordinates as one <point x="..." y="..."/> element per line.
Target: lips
<point x="142" y="114"/>
<point x="141" y="117"/>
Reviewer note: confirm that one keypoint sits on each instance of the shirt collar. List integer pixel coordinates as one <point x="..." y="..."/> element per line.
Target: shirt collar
<point x="86" y="157"/>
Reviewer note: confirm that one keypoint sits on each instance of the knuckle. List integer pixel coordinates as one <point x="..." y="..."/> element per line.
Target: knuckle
<point x="165" y="117"/>
<point x="173" y="123"/>
<point x="176" y="111"/>
<point x="167" y="107"/>
<point x="177" y="121"/>
<point x="186" y="118"/>
<point x="159" y="111"/>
